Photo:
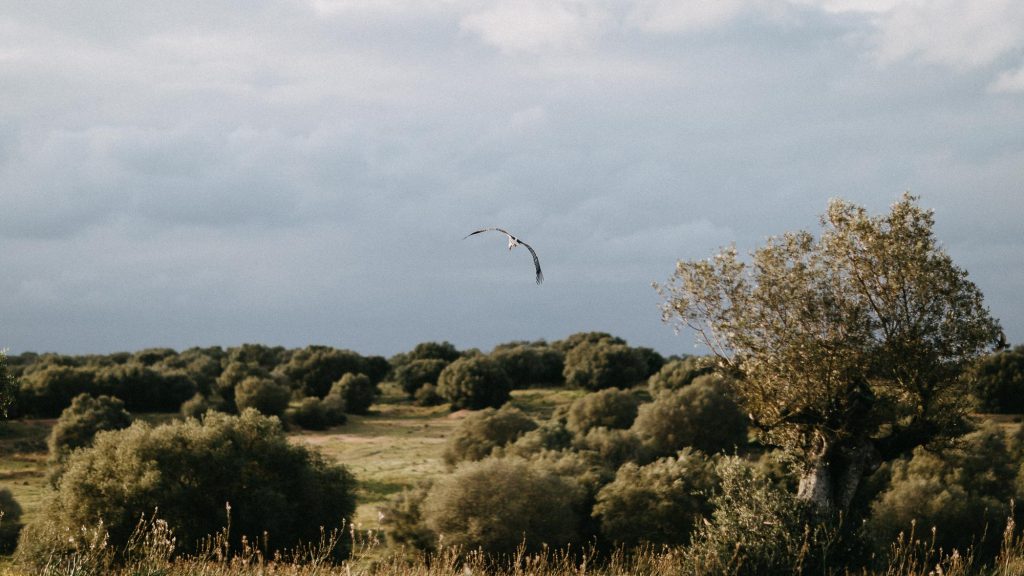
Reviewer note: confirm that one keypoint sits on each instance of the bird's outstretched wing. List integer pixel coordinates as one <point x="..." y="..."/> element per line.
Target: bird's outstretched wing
<point x="536" y="261"/>
<point x="485" y="230"/>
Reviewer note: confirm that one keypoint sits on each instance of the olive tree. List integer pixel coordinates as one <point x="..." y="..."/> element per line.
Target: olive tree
<point x="848" y="347"/>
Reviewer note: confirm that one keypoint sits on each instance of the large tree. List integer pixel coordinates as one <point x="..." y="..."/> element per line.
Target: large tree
<point x="848" y="348"/>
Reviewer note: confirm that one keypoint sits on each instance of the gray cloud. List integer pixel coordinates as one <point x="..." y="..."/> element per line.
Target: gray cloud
<point x="290" y="173"/>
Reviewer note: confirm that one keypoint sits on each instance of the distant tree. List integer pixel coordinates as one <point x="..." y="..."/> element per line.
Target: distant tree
<point x="498" y="504"/>
<point x="192" y="475"/>
<point x="313" y="413"/>
<point x="8" y="386"/>
<point x="609" y="408"/>
<point x="703" y="415"/>
<point x="481" y="432"/>
<point x="47" y="390"/>
<point x="848" y="348"/>
<point x="603" y="364"/>
<point x="202" y="365"/>
<point x="651" y="358"/>
<point x="79" y="423"/>
<point x="415" y="374"/>
<point x="355" y="392"/>
<point x="531" y="365"/>
<point x="266" y="357"/>
<point x="151" y="356"/>
<point x="997" y="381"/>
<point x="660" y="503"/>
<point x="144" y="389"/>
<point x="474" y="382"/>
<point x="435" y="350"/>
<point x="679" y="372"/>
<point x="315" y="368"/>
<point x="263" y="394"/>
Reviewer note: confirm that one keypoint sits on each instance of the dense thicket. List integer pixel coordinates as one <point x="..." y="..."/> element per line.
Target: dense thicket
<point x="474" y="382"/>
<point x="79" y="423"/>
<point x="193" y="475"/>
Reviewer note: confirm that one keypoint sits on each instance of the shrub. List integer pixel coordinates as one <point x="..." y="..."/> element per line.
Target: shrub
<point x="962" y="493"/>
<point x="436" y="350"/>
<point x="997" y="381"/>
<point x="189" y="472"/>
<point x="531" y="365"/>
<point x="198" y="405"/>
<point x="550" y="435"/>
<point x="573" y="340"/>
<point x="481" y="432"/>
<point x="419" y="373"/>
<point x="10" y="521"/>
<point x="262" y="394"/>
<point x="702" y="415"/>
<point x="144" y="389"/>
<point x="474" y="382"/>
<point x="403" y="519"/>
<point x="600" y="365"/>
<point x="79" y="423"/>
<point x="610" y="408"/>
<point x="315" y="369"/>
<point x="678" y="373"/>
<point x="614" y="446"/>
<point x="353" y="393"/>
<point x="48" y="390"/>
<point x="497" y="504"/>
<point x="660" y="503"/>
<point x="312" y="413"/>
<point x="427" y="396"/>
<point x="233" y="375"/>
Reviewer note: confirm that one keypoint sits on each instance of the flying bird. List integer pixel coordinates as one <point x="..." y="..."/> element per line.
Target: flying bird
<point x="512" y="243"/>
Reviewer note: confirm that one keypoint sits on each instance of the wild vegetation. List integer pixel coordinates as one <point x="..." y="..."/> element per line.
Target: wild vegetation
<point x="840" y="425"/>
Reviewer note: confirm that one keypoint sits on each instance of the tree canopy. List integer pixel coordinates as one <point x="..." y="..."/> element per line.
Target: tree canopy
<point x="848" y="347"/>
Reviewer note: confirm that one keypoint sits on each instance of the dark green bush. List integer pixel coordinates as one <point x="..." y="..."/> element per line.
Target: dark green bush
<point x="660" y="503"/>
<point x="402" y="517"/>
<point x="481" y="432"/>
<point x="10" y="521"/>
<point x="600" y="365"/>
<point x="678" y="373"/>
<point x="354" y="393"/>
<point x="79" y="423"/>
<point x="573" y="340"/>
<point x="703" y="415"/>
<point x="198" y="405"/>
<point x="615" y="446"/>
<point x="47" y="390"/>
<point x="419" y="373"/>
<point x="497" y="504"/>
<point x="997" y="381"/>
<point x="144" y="389"/>
<point x="189" y="473"/>
<point x="427" y="395"/>
<point x="262" y="394"/>
<point x="609" y="408"/>
<point x="312" y="413"/>
<point x="531" y="365"/>
<point x="964" y="493"/>
<point x="315" y="369"/>
<point x="474" y="383"/>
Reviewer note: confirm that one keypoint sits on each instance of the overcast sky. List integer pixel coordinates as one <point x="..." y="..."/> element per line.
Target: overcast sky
<point x="206" y="172"/>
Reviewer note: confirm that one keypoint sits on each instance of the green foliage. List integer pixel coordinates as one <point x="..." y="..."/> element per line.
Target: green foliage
<point x="609" y="408"/>
<point x="144" y="389"/>
<point x="474" y="383"/>
<point x="435" y="350"/>
<point x="403" y="519"/>
<point x="997" y="381"/>
<point x="573" y="340"/>
<point x="603" y="364"/>
<point x="614" y="446"/>
<point x="79" y="423"/>
<point x="10" y="521"/>
<point x="531" y="365"/>
<point x="49" y="388"/>
<point x="418" y="373"/>
<point x="189" y="473"/>
<point x="481" y="432"/>
<point x="660" y="503"/>
<point x="8" y="386"/>
<point x="198" y="405"/>
<point x="703" y="415"/>
<point x="262" y="394"/>
<point x="315" y="369"/>
<point x="354" y="393"/>
<point x="849" y="346"/>
<point x="314" y="413"/>
<point x="679" y="372"/>
<point x="498" y="504"/>
<point x="963" y="493"/>
<point x="757" y="527"/>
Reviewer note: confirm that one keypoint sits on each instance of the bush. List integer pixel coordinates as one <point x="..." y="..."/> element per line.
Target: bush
<point x="46" y="391"/>
<point x="660" y="503"/>
<point x="614" y="446"/>
<point x="144" y="389"/>
<point x="579" y="338"/>
<point x="403" y="519"/>
<point x="702" y="415"/>
<point x="600" y="365"/>
<point x="963" y="493"/>
<point x="353" y="393"/>
<point x="497" y="504"/>
<point x="531" y="365"/>
<point x="313" y="413"/>
<point x="79" y="423"/>
<point x="10" y="521"/>
<point x="198" y="405"/>
<point x="678" y="373"/>
<point x="419" y="373"/>
<point x="474" y="382"/>
<point x="188" y="473"/>
<point x="610" y="408"/>
<point x="262" y="394"/>
<point x="427" y="396"/>
<point x="997" y="381"/>
<point x="315" y="369"/>
<point x="481" y="432"/>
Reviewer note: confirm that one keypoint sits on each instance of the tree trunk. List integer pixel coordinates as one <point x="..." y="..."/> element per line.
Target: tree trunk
<point x="831" y="481"/>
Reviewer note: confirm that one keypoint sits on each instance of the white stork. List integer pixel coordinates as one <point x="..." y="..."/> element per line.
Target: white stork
<point x="512" y="243"/>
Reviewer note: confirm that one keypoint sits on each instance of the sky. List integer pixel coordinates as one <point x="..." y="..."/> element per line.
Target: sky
<point x="213" y="172"/>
